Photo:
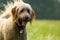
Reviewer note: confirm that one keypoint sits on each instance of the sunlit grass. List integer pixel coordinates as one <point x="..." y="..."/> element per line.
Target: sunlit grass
<point x="44" y="30"/>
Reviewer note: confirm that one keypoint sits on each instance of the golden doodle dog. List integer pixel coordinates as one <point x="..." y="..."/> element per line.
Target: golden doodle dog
<point x="13" y="21"/>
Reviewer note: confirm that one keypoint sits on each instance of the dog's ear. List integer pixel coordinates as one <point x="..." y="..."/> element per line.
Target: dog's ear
<point x="32" y="15"/>
<point x="13" y="10"/>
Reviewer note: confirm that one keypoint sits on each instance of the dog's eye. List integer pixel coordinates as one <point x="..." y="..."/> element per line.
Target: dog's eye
<point x="22" y="10"/>
<point x="28" y="10"/>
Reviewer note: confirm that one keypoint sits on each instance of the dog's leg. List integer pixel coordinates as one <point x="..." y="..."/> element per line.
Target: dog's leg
<point x="23" y="35"/>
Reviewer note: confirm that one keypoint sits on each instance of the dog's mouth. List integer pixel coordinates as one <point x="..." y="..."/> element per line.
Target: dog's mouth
<point x="23" y="22"/>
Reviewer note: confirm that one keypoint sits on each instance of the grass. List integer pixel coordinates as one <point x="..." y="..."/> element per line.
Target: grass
<point x="44" y="30"/>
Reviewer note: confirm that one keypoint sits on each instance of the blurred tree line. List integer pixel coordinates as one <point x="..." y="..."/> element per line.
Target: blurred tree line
<point x="44" y="9"/>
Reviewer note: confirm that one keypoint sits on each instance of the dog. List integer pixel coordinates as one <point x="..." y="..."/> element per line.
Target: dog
<point x="13" y="23"/>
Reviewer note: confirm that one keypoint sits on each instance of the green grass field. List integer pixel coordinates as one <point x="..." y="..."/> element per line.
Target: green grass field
<point x="44" y="30"/>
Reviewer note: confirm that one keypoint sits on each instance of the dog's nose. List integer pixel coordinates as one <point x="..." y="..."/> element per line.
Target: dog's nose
<point x="27" y="18"/>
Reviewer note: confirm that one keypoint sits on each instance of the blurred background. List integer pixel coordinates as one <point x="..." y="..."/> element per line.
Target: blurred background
<point x="47" y="23"/>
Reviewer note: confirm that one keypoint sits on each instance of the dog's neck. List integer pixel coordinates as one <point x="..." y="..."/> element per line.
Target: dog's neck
<point x="19" y="28"/>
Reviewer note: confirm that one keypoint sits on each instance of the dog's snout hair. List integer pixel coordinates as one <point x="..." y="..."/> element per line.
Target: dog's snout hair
<point x="25" y="15"/>
<point x="13" y="22"/>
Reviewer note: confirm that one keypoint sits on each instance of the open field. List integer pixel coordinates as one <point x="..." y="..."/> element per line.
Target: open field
<point x="44" y="30"/>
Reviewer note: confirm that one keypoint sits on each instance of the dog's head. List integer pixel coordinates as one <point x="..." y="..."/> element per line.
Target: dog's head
<point x="23" y="13"/>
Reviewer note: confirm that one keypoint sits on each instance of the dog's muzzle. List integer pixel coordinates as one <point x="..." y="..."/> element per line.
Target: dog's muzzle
<point x="24" y="21"/>
<point x="27" y="19"/>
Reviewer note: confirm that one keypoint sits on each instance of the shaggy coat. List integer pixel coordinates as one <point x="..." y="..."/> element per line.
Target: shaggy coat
<point x="13" y="25"/>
